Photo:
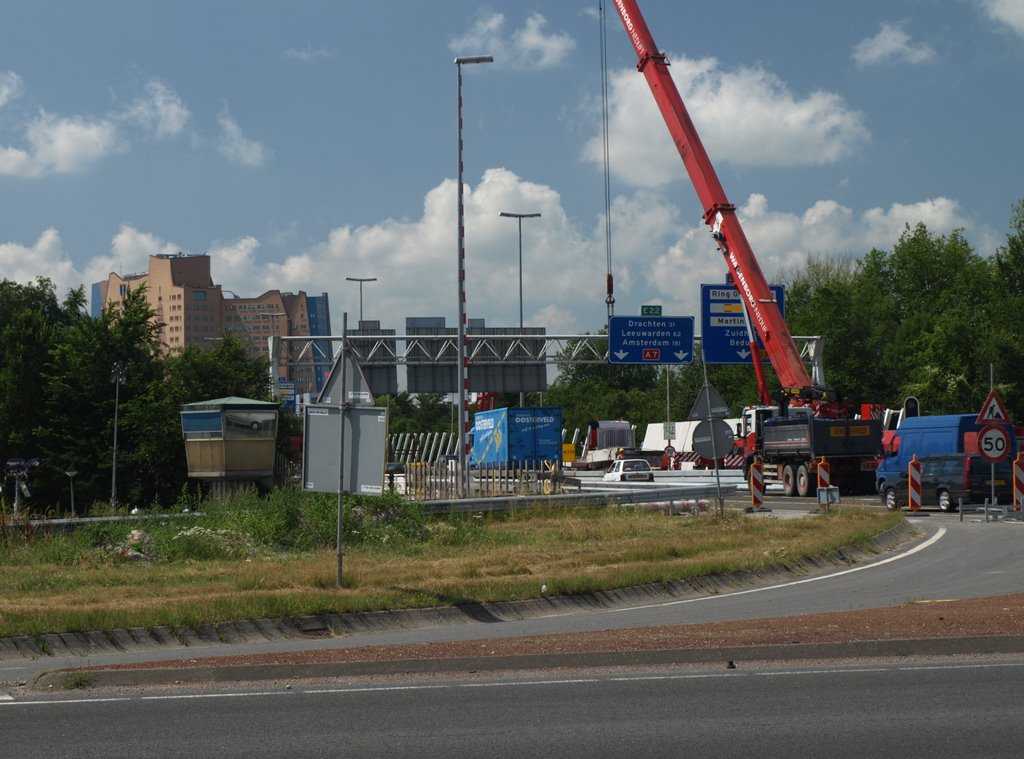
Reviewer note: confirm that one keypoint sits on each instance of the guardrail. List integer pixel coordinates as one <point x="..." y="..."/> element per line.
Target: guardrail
<point x="667" y="496"/>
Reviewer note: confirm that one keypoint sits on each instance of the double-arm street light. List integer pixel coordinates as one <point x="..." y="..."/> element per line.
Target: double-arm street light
<point x="463" y="369"/>
<point x="360" y="280"/>
<point x="519" y="217"/>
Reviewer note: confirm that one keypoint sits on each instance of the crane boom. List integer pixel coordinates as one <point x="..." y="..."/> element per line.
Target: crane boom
<point x="719" y="213"/>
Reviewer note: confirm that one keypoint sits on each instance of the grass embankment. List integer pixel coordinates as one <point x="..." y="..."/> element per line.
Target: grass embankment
<point x="251" y="558"/>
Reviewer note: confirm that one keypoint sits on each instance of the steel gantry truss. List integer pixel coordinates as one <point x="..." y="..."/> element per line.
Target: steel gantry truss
<point x="388" y="350"/>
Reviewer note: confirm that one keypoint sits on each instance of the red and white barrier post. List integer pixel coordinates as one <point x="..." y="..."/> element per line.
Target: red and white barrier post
<point x="1018" y="483"/>
<point x="824" y="474"/>
<point x="914" y="483"/>
<point x="756" y="484"/>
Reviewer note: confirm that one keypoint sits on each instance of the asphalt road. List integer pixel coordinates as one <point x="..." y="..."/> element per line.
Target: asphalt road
<point x="905" y="709"/>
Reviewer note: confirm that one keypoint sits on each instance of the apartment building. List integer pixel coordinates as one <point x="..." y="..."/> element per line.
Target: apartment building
<point x="192" y="310"/>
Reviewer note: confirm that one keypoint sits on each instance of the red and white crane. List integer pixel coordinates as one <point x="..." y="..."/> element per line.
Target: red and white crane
<point x="720" y="215"/>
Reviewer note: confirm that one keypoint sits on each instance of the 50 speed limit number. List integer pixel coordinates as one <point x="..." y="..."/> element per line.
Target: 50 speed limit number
<point x="993" y="443"/>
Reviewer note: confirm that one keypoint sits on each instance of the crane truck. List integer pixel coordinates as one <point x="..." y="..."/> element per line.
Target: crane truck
<point x="805" y="424"/>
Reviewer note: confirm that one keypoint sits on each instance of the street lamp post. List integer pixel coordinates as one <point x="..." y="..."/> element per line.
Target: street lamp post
<point x="360" y="280"/>
<point x="519" y="217"/>
<point x="71" y="476"/>
<point x="463" y="368"/>
<point x="117" y="376"/>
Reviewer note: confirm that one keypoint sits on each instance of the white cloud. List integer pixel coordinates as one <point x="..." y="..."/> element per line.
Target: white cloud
<point x="417" y="269"/>
<point x="747" y="116"/>
<point x="11" y="86"/>
<point x="130" y="250"/>
<point x="60" y="145"/>
<point x="308" y="53"/>
<point x="229" y="264"/>
<point x="235" y="146"/>
<point x="891" y="45"/>
<point x="657" y="257"/>
<point x="782" y="241"/>
<point x="160" y="111"/>
<point x="526" y="47"/>
<point x="1008" y="12"/>
<point x="44" y="258"/>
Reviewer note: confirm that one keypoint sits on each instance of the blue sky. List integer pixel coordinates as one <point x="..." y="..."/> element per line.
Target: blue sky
<point x="305" y="142"/>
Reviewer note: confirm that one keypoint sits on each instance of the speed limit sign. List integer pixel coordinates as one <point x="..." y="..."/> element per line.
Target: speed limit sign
<point x="993" y="443"/>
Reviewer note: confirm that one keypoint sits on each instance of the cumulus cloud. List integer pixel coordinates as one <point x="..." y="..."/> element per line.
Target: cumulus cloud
<point x="229" y="261"/>
<point x="159" y="111"/>
<point x="235" y="146"/>
<point x="45" y="257"/>
<point x="747" y="116"/>
<point x="782" y="240"/>
<point x="657" y="255"/>
<point x="60" y="145"/>
<point x="130" y="249"/>
<point x="1008" y="12"/>
<point x="11" y="86"/>
<point x="526" y="47"/>
<point x="891" y="45"/>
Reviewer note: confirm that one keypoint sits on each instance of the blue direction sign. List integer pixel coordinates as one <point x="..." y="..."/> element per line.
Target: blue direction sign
<point x="724" y="338"/>
<point x="650" y="340"/>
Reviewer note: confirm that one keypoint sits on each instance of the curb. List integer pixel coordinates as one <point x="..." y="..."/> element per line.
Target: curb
<point x="727" y="656"/>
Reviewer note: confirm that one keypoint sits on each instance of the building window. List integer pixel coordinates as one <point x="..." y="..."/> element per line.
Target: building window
<point x="199" y="295"/>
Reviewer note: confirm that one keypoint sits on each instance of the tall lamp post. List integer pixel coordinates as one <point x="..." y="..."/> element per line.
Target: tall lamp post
<point x="360" y="280"/>
<point x="463" y="369"/>
<point x="118" y="377"/>
<point x="519" y="217"/>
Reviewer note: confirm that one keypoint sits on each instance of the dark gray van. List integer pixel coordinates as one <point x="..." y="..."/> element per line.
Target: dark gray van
<point x="947" y="479"/>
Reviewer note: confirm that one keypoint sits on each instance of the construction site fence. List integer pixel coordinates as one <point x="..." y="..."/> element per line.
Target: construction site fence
<point x="440" y="480"/>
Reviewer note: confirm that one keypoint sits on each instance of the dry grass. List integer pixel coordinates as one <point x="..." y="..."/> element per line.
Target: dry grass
<point x="465" y="560"/>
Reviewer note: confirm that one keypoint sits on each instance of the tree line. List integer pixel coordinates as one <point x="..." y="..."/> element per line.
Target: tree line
<point x="57" y="396"/>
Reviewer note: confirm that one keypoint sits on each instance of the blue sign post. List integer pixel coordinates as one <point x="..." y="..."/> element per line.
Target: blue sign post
<point x="650" y="340"/>
<point x="724" y="337"/>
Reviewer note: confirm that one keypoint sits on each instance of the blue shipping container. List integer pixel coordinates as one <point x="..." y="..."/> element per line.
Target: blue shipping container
<point x="506" y="435"/>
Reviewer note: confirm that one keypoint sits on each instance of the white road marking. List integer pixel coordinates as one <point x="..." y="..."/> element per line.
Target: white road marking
<point x="354" y="690"/>
<point x="920" y="547"/>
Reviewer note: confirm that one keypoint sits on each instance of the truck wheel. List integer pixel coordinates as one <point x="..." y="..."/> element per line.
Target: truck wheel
<point x="788" y="480"/>
<point x="890" y="500"/>
<point x="804" y="486"/>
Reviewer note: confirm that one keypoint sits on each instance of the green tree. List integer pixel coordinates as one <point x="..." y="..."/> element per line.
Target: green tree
<point x="1008" y="339"/>
<point x="79" y="399"/>
<point x="31" y="320"/>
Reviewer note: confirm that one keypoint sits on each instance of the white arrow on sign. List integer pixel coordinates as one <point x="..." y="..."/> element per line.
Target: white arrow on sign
<point x="621" y="354"/>
<point x="682" y="354"/>
<point x="743" y="354"/>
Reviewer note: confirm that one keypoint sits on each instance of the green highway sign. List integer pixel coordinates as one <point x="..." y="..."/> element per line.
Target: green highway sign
<point x="650" y="310"/>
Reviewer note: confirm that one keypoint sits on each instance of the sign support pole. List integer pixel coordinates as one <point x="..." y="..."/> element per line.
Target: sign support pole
<point x="341" y="448"/>
<point x="718" y="476"/>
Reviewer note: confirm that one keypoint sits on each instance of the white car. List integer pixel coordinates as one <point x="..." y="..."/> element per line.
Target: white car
<point x="629" y="470"/>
